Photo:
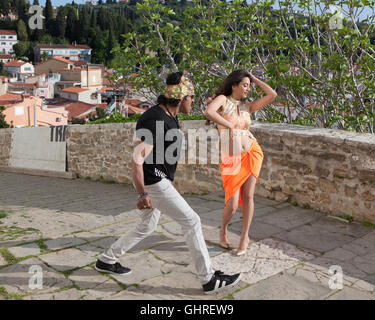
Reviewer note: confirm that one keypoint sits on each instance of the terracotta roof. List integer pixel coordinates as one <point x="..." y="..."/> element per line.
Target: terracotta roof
<point x="5" y="56"/>
<point x="80" y="109"/>
<point x="133" y="102"/>
<point x="62" y="60"/>
<point x="74" y="90"/>
<point x="135" y="110"/>
<point x="15" y="63"/>
<point x="105" y="89"/>
<point x="8" y="32"/>
<point x="12" y="84"/>
<point x="63" y="46"/>
<point x="10" y="98"/>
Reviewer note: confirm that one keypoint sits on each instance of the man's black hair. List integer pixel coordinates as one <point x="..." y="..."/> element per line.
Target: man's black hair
<point x="173" y="78"/>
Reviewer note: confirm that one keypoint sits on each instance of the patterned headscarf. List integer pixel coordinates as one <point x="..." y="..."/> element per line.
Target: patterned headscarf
<point x="181" y="90"/>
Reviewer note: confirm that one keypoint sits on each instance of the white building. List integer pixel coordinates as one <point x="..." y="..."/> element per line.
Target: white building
<point x="8" y="38"/>
<point x="19" y="68"/>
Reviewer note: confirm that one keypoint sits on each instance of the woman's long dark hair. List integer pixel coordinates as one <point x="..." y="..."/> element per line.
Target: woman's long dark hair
<point x="173" y="78"/>
<point x="233" y="79"/>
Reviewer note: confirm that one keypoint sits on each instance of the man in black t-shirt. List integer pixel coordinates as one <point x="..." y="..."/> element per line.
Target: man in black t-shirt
<point x="155" y="157"/>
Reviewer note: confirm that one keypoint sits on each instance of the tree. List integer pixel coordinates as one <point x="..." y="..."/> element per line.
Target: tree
<point x="111" y="42"/>
<point x="45" y="56"/>
<point x="48" y="14"/>
<point x="21" y="8"/>
<point x="78" y="120"/>
<point x="93" y="19"/>
<point x="4" y="7"/>
<point x="36" y="3"/>
<point x="60" y="24"/>
<point x="326" y="74"/>
<point x="21" y="31"/>
<point x="3" y="123"/>
<point x="100" y="113"/>
<point x="100" y="2"/>
<point x="70" y="22"/>
<point x="21" y="49"/>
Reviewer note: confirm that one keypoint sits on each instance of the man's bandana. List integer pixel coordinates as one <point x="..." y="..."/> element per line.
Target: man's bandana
<point x="181" y="90"/>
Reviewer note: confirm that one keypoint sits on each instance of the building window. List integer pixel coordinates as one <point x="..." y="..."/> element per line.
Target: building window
<point x="3" y="43"/>
<point x="3" y="37"/>
<point x="10" y="37"/>
<point x="27" y="69"/>
<point x="18" y="111"/>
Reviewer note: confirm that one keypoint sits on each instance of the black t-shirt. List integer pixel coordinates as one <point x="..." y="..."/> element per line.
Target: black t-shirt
<point x="162" y="131"/>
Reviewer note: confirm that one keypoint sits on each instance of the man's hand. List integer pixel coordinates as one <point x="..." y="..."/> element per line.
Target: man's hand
<point x="144" y="203"/>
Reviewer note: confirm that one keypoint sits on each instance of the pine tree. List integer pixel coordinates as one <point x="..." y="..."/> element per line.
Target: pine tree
<point x="21" y="31"/>
<point x="93" y="19"/>
<point x="84" y="24"/>
<point x="70" y="23"/>
<point x="111" y="43"/>
<point x="100" y="2"/>
<point x="102" y="19"/>
<point x="36" y="3"/>
<point x="60" y="24"/>
<point x="48" y="14"/>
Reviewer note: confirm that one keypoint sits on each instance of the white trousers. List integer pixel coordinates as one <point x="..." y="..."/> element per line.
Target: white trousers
<point x="166" y="198"/>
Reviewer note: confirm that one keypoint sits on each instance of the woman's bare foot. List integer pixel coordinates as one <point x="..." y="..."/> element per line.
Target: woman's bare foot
<point x="224" y="242"/>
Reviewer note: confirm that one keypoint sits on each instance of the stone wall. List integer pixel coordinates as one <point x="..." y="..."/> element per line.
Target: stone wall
<point x="5" y="146"/>
<point x="328" y="170"/>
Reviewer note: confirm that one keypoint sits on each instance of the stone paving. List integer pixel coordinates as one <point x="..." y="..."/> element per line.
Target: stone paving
<point x="60" y="227"/>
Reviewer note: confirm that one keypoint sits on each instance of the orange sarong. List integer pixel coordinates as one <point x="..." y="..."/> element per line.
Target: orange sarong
<point x="236" y="169"/>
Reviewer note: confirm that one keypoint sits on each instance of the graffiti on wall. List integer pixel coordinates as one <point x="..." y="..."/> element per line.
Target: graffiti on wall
<point x="58" y="133"/>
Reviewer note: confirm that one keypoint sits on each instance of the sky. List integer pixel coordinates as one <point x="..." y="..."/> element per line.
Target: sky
<point x="366" y="12"/>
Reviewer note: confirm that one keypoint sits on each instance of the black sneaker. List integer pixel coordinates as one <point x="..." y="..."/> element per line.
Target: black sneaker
<point x="112" y="268"/>
<point x="220" y="281"/>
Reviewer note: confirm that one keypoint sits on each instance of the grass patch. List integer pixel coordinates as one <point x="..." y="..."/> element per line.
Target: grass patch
<point x="295" y="204"/>
<point x="11" y="259"/>
<point x="102" y="180"/>
<point x="228" y="297"/>
<point x="88" y="178"/>
<point x="306" y="206"/>
<point x="368" y="224"/>
<point x="42" y="246"/>
<point x="67" y="272"/>
<point x="8" y="233"/>
<point x="14" y="296"/>
<point x="347" y="217"/>
<point x="64" y="288"/>
<point x="3" y="214"/>
<point x="10" y="296"/>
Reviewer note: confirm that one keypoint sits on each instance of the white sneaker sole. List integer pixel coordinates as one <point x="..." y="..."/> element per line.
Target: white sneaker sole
<point x="111" y="272"/>
<point x="226" y="287"/>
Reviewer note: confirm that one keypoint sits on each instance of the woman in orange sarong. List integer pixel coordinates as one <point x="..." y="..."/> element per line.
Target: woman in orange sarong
<point x="241" y="154"/>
